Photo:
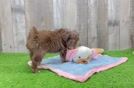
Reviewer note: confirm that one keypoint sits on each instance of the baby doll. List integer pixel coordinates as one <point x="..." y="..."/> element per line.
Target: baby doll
<point x="82" y="54"/>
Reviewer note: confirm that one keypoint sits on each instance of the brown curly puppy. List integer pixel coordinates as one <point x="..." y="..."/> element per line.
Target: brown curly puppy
<point x="40" y="42"/>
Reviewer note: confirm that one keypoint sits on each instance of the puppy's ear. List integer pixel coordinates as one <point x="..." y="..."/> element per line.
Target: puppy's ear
<point x="67" y="37"/>
<point x="75" y="33"/>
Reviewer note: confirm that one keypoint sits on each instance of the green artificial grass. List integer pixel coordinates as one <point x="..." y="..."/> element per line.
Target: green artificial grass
<point x="15" y="73"/>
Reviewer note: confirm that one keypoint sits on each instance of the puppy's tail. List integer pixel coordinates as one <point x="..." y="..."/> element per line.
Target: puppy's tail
<point x="32" y="38"/>
<point x="33" y="30"/>
<point x="33" y="33"/>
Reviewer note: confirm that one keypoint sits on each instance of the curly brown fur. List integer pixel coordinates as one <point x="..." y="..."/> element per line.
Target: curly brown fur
<point x="40" y="42"/>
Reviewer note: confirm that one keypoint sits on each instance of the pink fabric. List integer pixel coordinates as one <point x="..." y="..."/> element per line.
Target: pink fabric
<point x="94" y="54"/>
<point x="70" y="54"/>
<point x="88" y="74"/>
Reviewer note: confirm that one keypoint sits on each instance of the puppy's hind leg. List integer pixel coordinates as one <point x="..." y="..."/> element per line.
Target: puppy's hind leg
<point x="31" y="55"/>
<point x="36" y="60"/>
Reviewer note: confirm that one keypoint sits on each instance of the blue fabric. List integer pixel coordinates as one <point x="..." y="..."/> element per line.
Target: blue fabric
<point x="79" y="69"/>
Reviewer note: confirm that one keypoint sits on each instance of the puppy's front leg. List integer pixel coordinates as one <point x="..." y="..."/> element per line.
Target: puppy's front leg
<point x="63" y="55"/>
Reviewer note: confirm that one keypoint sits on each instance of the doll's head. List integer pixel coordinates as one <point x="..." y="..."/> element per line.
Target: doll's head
<point x="82" y="54"/>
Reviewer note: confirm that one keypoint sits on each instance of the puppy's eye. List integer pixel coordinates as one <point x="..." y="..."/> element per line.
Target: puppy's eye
<point x="79" y="57"/>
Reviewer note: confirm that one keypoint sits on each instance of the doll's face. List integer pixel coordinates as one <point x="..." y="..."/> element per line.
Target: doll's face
<point x="84" y="60"/>
<point x="83" y="55"/>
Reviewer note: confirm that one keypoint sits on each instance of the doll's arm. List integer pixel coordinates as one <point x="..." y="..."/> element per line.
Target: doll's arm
<point x="97" y="51"/>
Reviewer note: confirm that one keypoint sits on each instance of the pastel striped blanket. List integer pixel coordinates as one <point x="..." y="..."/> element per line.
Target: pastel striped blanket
<point x="80" y="72"/>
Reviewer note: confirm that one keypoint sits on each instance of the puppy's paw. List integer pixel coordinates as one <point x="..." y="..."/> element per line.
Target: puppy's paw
<point x="34" y="70"/>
